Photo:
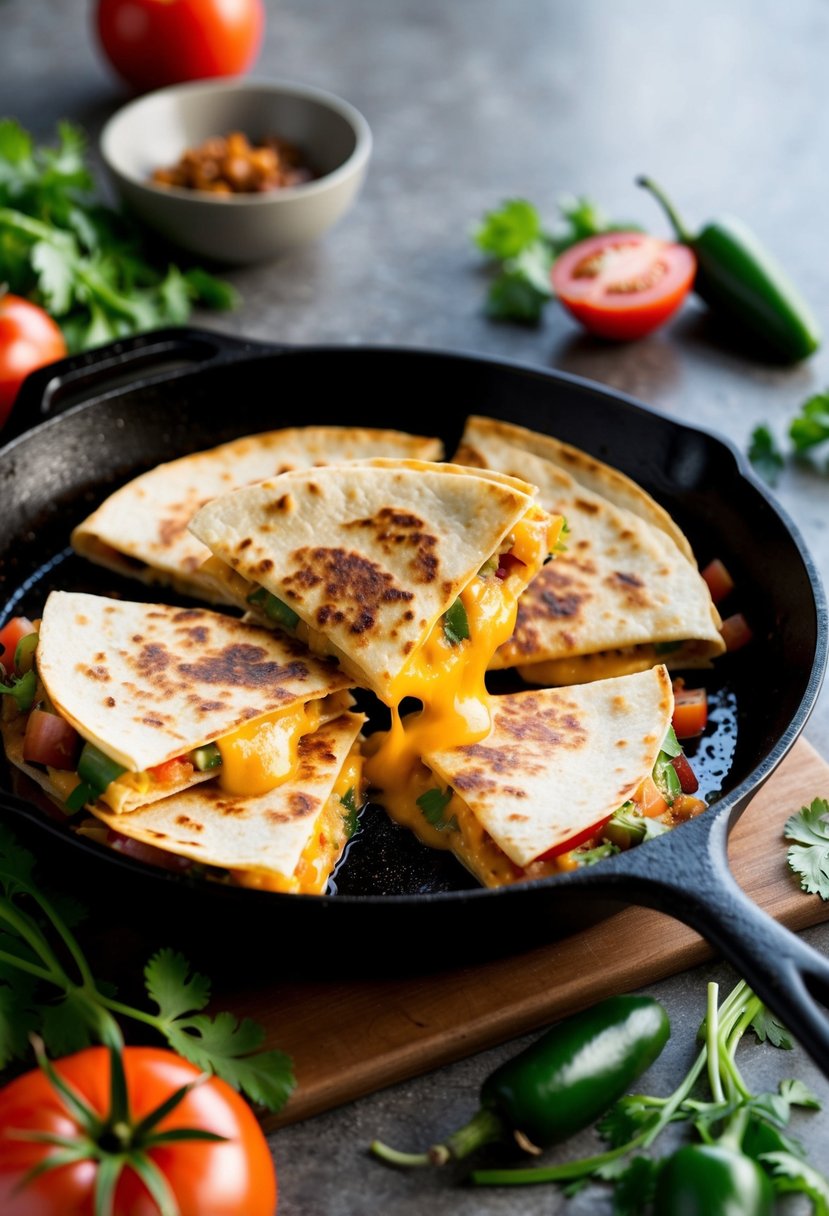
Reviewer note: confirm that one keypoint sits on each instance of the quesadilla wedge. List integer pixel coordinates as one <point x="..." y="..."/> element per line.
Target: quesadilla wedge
<point x="400" y="569"/>
<point x="288" y="839"/>
<point x="623" y="594"/>
<point x="142" y="529"/>
<point x="562" y="769"/>
<point x="129" y="703"/>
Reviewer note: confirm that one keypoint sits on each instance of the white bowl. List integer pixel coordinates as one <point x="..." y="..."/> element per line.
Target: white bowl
<point x="153" y="131"/>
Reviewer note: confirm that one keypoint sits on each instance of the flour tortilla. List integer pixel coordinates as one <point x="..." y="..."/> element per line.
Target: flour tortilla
<point x="370" y="554"/>
<point x="260" y="835"/>
<point x="148" y="682"/>
<point x="141" y="529"/>
<point x="620" y="595"/>
<point x="557" y="761"/>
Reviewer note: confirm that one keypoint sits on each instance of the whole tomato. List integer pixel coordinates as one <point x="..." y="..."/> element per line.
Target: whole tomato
<point x="29" y="338"/>
<point x="204" y="1177"/>
<point x="152" y="43"/>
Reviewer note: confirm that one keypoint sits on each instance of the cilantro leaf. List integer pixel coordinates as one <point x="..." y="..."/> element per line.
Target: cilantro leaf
<point x="809" y="855"/>
<point x="221" y="1044"/>
<point x="791" y="1174"/>
<point x="766" y="1026"/>
<point x="811" y="426"/>
<point x="433" y="804"/>
<point x="518" y="294"/>
<point x="765" y="455"/>
<point x="88" y="264"/>
<point x="456" y="623"/>
<point x="625" y="1119"/>
<point x="508" y="230"/>
<point x="581" y="218"/>
<point x="796" y="1093"/>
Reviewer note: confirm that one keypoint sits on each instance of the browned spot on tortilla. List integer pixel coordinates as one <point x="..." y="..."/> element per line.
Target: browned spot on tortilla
<point x="619" y="703"/>
<point x="280" y="506"/>
<point x="392" y="528"/>
<point x="314" y="488"/>
<point x="345" y="582"/>
<point x="631" y="586"/>
<point x="589" y="508"/>
<point x="109" y="702"/>
<point x="81" y="620"/>
<point x="184" y="821"/>
<point x="152" y="721"/>
<point x="515" y="817"/>
<point x="190" y="563"/>
<point x="100" y="657"/>
<point x="153" y="660"/>
<point x="314" y="753"/>
<point x="98" y="673"/>
<point x="188" y="614"/>
<point x="264" y="567"/>
<point x="301" y="805"/>
<point x="245" y="543"/>
<point x="208" y="707"/>
<point x="198" y="634"/>
<point x="243" y="665"/>
<point x="138" y="638"/>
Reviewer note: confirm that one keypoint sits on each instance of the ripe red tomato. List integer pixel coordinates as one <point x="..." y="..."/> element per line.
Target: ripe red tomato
<point x="623" y="285"/>
<point x="29" y="338"/>
<point x="152" y="43"/>
<point x="223" y="1178"/>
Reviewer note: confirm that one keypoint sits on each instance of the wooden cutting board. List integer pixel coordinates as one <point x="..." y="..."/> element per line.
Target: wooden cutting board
<point x="350" y="1038"/>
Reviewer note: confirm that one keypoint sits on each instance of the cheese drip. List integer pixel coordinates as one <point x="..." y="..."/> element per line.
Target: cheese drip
<point x="449" y="678"/>
<point x="259" y="757"/>
<point x="326" y="841"/>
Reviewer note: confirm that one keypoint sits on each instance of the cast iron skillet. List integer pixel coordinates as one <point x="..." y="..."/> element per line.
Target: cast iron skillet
<point x="87" y="424"/>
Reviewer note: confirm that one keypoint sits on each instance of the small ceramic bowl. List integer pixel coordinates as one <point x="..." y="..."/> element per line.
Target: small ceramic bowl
<point x="153" y="132"/>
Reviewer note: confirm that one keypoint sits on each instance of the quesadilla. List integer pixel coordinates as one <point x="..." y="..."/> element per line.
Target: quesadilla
<point x="288" y="839"/>
<point x="133" y="702"/>
<point x="561" y="770"/>
<point x="623" y="595"/>
<point x="142" y="529"/>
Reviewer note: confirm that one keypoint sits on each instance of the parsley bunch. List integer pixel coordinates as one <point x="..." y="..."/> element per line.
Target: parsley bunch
<point x="47" y="987"/>
<point x="753" y="1125"/>
<point x="523" y="251"/>
<point x="82" y="260"/>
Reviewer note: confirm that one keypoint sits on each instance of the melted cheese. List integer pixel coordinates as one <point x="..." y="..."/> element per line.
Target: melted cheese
<point x="326" y="841"/>
<point x="256" y="758"/>
<point x="602" y="664"/>
<point x="449" y="679"/>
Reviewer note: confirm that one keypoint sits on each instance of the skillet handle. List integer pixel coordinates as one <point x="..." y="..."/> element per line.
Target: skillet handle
<point x="696" y="886"/>
<point x="131" y="361"/>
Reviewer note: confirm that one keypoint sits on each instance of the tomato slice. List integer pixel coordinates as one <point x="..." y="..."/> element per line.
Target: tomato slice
<point x="690" y="712"/>
<point x="18" y="627"/>
<point x="687" y="776"/>
<point x="623" y="285"/>
<point x="719" y="581"/>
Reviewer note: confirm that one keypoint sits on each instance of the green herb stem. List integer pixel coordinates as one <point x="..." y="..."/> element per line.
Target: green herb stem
<point x="31" y="934"/>
<point x="712" y="1031"/>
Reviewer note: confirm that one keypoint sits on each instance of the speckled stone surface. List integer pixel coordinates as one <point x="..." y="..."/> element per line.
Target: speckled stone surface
<point x="471" y="103"/>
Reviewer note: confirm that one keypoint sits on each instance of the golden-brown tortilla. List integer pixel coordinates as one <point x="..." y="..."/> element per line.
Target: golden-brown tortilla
<point x="147" y="682"/>
<point x="557" y="761"/>
<point x="620" y="597"/>
<point x="141" y="529"/>
<point x="369" y="555"/>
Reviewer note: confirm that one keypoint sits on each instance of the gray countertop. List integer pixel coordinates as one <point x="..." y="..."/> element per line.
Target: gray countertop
<point x="472" y="103"/>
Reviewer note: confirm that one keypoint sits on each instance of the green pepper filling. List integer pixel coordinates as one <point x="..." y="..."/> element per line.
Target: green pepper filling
<point x="23" y="689"/>
<point x="207" y="757"/>
<point x="275" y="608"/>
<point x="456" y="623"/>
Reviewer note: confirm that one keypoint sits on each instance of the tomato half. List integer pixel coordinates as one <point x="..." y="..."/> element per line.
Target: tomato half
<point x="152" y="43"/>
<point x="29" y="339"/>
<point x="12" y="632"/>
<point x="221" y="1178"/>
<point x="623" y="285"/>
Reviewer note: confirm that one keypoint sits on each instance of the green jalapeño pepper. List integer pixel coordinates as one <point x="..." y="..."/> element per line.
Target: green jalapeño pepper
<point x="712" y="1180"/>
<point x="739" y="279"/>
<point x="561" y="1083"/>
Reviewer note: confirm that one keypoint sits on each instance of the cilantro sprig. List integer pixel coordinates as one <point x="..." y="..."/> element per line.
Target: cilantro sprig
<point x="808" y="855"/>
<point x="85" y="262"/>
<point x="808" y="435"/>
<point x="522" y="251"/>
<point x="47" y="987"/>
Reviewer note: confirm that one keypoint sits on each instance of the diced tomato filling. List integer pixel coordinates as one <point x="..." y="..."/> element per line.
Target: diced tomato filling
<point x="507" y="563"/>
<point x="18" y="627"/>
<point x="687" y="776"/>
<point x="50" y="740"/>
<point x="573" y="842"/>
<point x="690" y="712"/>
<point x="171" y="771"/>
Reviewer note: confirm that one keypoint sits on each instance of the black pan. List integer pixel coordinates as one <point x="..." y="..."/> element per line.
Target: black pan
<point x="87" y="424"/>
